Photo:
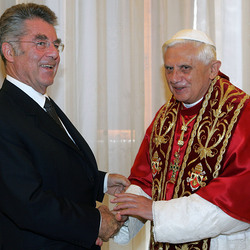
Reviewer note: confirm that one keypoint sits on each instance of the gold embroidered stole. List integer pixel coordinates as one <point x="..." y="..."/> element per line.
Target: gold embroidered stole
<point x="206" y="147"/>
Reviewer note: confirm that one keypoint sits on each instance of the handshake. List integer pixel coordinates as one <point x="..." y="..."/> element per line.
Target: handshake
<point x="110" y="224"/>
<point x="127" y="205"/>
<point x="110" y="221"/>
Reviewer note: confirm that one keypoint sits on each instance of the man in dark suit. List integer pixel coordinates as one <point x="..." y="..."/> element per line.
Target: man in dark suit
<point x="49" y="181"/>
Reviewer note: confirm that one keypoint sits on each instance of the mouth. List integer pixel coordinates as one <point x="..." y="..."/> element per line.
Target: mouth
<point x="47" y="66"/>
<point x="178" y="88"/>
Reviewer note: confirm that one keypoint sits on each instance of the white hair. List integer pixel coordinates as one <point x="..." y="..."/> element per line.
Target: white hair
<point x="206" y="52"/>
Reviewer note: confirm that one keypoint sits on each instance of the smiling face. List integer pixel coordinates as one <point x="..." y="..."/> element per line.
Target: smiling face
<point x="34" y="67"/>
<point x="187" y="76"/>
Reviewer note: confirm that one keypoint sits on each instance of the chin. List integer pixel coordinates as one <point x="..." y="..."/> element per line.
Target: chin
<point x="49" y="82"/>
<point x="181" y="99"/>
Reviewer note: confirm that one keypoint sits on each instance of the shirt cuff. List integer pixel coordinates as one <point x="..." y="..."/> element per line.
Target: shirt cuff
<point x="105" y="183"/>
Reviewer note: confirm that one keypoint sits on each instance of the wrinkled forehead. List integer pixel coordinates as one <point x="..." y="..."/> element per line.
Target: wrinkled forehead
<point x="39" y="28"/>
<point x="182" y="52"/>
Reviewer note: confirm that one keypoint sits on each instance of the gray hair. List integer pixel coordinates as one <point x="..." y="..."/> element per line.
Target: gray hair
<point x="206" y="52"/>
<point x="12" y="22"/>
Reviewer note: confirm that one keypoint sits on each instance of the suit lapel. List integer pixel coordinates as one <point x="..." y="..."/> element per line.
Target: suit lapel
<point x="76" y="136"/>
<point x="49" y="126"/>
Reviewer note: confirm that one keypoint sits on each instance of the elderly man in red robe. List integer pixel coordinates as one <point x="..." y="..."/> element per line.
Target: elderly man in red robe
<point x="191" y="176"/>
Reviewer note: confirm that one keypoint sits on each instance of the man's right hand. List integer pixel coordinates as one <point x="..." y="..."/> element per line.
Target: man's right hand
<point x="109" y="225"/>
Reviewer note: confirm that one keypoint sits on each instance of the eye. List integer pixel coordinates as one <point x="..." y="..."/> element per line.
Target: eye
<point x="41" y="44"/>
<point x="168" y="69"/>
<point x="57" y="45"/>
<point x="186" y="68"/>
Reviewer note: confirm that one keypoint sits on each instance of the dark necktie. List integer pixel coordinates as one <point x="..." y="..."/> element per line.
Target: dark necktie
<point x="52" y="112"/>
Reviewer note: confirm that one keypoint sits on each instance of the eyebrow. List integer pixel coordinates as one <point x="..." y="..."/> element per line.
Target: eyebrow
<point x="41" y="37"/>
<point x="167" y="66"/>
<point x="44" y="37"/>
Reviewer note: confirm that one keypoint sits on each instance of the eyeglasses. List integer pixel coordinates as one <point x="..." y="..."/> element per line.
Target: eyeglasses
<point x="43" y="45"/>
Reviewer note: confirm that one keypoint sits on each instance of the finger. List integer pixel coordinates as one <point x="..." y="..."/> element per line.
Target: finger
<point x="126" y="195"/>
<point x="123" y="202"/>
<point x="99" y="242"/>
<point x="124" y="181"/>
<point x="118" y="180"/>
<point x="120" y="217"/>
<point x="122" y="206"/>
<point x="123" y="197"/>
<point x="130" y="212"/>
<point x="119" y="189"/>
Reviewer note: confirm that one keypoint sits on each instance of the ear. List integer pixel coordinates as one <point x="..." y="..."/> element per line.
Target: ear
<point x="214" y="69"/>
<point x="8" y="51"/>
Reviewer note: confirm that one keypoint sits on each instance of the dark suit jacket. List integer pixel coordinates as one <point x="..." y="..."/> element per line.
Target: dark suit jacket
<point x="48" y="185"/>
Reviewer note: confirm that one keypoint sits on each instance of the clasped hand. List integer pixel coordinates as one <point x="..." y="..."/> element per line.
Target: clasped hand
<point x="109" y="224"/>
<point x="126" y="205"/>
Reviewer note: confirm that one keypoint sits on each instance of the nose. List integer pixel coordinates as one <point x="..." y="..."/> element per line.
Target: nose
<point x="52" y="51"/>
<point x="175" y="76"/>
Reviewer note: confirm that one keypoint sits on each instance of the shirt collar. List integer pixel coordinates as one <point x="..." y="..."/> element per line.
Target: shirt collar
<point x="190" y="105"/>
<point x="36" y="96"/>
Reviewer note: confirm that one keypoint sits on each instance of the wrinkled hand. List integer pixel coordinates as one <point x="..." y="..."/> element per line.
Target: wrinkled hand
<point x="109" y="225"/>
<point x="133" y="205"/>
<point x="117" y="184"/>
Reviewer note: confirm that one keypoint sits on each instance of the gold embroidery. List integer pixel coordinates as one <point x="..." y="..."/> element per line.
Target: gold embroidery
<point x="156" y="187"/>
<point x="206" y="128"/>
<point x="174" y="167"/>
<point x="228" y="135"/>
<point x="161" y="137"/>
<point x="184" y="128"/>
<point x="160" y="127"/>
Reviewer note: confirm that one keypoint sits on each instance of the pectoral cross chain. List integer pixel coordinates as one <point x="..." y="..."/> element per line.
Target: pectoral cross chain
<point x="174" y="167"/>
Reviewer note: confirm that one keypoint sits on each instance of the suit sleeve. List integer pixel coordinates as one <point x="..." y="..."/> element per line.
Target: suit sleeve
<point x="101" y="177"/>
